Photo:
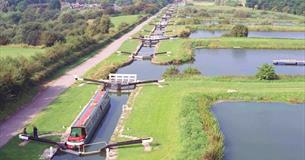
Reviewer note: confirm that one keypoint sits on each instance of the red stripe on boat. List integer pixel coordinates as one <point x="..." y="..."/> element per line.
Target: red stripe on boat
<point x="82" y="120"/>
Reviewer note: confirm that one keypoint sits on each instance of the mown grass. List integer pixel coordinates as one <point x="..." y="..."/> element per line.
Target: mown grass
<point x="129" y="19"/>
<point x="181" y="49"/>
<point x="19" y="50"/>
<point x="162" y="113"/>
<point x="30" y="151"/>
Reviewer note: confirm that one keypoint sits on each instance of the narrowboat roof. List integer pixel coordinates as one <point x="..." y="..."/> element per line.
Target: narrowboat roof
<point x="89" y="109"/>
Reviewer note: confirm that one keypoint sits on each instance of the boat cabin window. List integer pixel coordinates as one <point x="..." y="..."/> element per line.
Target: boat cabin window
<point x="77" y="132"/>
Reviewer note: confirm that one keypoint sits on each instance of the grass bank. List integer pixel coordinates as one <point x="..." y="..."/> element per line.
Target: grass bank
<point x="128" y="19"/>
<point x="178" y="115"/>
<point x="181" y="49"/>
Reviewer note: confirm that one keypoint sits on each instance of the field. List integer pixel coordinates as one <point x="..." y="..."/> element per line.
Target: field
<point x="16" y="51"/>
<point x="157" y="111"/>
<point x="129" y="19"/>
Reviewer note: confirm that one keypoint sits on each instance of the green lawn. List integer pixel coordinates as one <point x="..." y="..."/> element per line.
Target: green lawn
<point x="181" y="49"/>
<point x="16" y="51"/>
<point x="129" y="19"/>
<point x="157" y="113"/>
<point x="29" y="151"/>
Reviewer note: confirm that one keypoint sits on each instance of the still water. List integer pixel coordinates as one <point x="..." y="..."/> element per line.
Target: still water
<point x="262" y="131"/>
<point x="225" y="62"/>
<point x="258" y="34"/>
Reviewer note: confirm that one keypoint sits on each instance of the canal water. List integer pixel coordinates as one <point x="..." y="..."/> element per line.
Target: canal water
<point x="258" y="34"/>
<point x="262" y="131"/>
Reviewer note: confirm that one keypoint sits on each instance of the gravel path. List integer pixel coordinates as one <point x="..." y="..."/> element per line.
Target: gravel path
<point x="52" y="89"/>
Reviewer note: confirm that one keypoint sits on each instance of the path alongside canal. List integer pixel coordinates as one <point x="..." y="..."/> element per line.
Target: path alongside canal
<point x="52" y="89"/>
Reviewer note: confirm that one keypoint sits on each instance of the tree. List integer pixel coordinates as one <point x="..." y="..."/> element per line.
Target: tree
<point x="185" y="33"/>
<point x="239" y="31"/>
<point x="4" y="39"/>
<point x="49" y="38"/>
<point x="266" y="72"/>
<point x="67" y="18"/>
<point x="55" y="4"/>
<point x="4" y="5"/>
<point x="30" y="33"/>
<point x="105" y="24"/>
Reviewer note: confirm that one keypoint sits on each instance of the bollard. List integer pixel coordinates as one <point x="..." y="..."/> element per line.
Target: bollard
<point x="107" y="153"/>
<point x="51" y="152"/>
<point x="146" y="144"/>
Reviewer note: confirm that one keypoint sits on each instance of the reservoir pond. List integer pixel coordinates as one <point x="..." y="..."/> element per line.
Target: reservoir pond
<point x="262" y="131"/>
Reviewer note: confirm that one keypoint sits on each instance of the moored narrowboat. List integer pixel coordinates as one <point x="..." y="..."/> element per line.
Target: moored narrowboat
<point x="88" y="120"/>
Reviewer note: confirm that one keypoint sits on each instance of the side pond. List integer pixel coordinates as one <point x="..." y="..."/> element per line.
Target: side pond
<point x="258" y="34"/>
<point x="255" y="131"/>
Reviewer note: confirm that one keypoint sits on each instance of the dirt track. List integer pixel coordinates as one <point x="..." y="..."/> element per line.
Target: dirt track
<point x="52" y="89"/>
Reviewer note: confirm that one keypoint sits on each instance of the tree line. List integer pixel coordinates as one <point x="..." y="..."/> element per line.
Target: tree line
<point x="288" y="6"/>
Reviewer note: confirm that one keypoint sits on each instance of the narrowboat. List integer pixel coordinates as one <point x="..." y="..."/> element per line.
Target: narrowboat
<point x="88" y="120"/>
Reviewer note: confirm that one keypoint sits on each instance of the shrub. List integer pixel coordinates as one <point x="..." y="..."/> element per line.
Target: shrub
<point x="266" y="72"/>
<point x="191" y="71"/>
<point x="49" y="38"/>
<point x="171" y="71"/>
<point x="242" y="14"/>
<point x="122" y="26"/>
<point x="185" y="33"/>
<point x="239" y="31"/>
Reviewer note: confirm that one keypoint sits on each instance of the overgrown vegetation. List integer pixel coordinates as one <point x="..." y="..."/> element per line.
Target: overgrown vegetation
<point x="190" y="71"/>
<point x="288" y="6"/>
<point x="171" y="71"/>
<point x="225" y="17"/>
<point x="238" y="31"/>
<point x="266" y="72"/>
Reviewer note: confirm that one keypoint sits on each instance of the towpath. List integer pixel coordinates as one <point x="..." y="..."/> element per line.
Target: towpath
<point x="52" y="89"/>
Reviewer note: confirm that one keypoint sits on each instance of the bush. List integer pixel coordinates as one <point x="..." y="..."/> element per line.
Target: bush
<point x="242" y="14"/>
<point x="49" y="38"/>
<point x="239" y="31"/>
<point x="191" y="71"/>
<point x="185" y="33"/>
<point x="171" y="71"/>
<point x="122" y="26"/>
<point x="266" y="72"/>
